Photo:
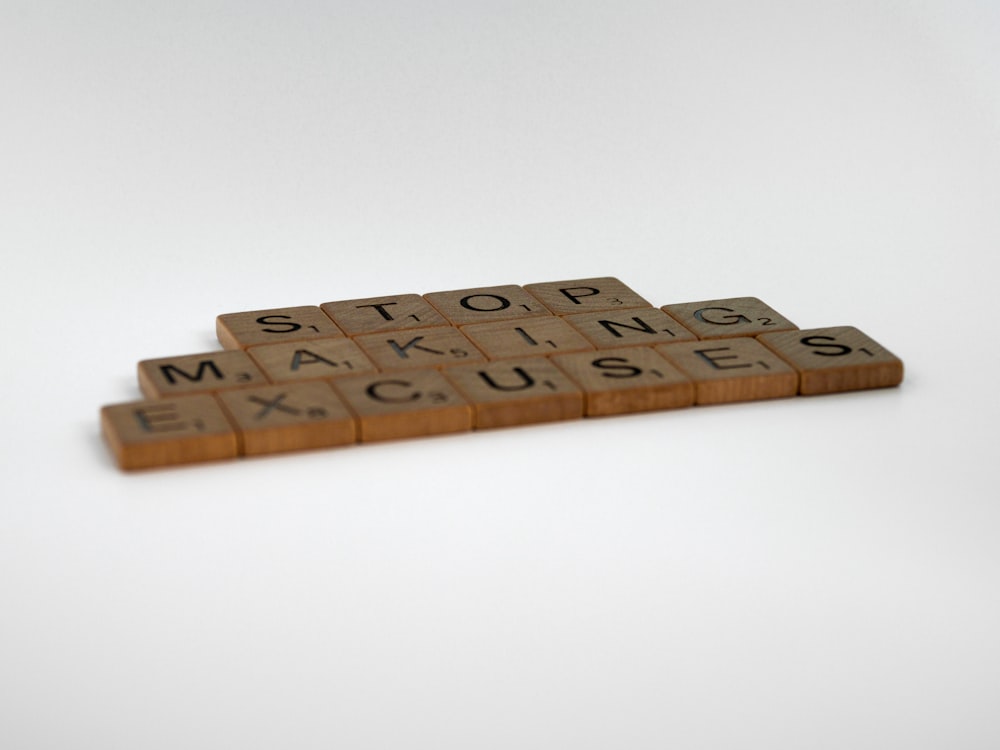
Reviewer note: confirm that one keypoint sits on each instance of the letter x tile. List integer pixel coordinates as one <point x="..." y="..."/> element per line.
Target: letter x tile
<point x="288" y="417"/>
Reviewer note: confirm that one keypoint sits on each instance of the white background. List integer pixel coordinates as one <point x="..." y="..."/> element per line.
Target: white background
<point x="805" y="573"/>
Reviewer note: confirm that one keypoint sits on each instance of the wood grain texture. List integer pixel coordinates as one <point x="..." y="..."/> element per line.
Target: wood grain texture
<point x="585" y="295"/>
<point x="186" y="429"/>
<point x="404" y="404"/>
<point x="288" y="417"/>
<point x="427" y="347"/>
<point x="526" y="338"/>
<point x="629" y="379"/>
<point x="729" y="318"/>
<point x="198" y="373"/>
<point x="396" y="312"/>
<point x="840" y="358"/>
<point x="310" y="360"/>
<point x="727" y="370"/>
<point x="243" y="329"/>
<point x="635" y="327"/>
<point x="486" y="304"/>
<point x="517" y="392"/>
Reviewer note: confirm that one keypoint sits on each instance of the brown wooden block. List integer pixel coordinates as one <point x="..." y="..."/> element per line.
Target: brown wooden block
<point x="288" y="417"/>
<point x="391" y="313"/>
<point x="505" y="339"/>
<point x="485" y="304"/>
<point x="181" y="430"/>
<point x="198" y="373"/>
<point x="635" y="327"/>
<point x="310" y="360"/>
<point x="729" y="318"/>
<point x="517" y="391"/>
<point x="243" y="329"/>
<point x="836" y="359"/>
<point x="585" y="295"/>
<point x="410" y="403"/>
<point x="726" y="370"/>
<point x="426" y="347"/>
<point x="629" y="379"/>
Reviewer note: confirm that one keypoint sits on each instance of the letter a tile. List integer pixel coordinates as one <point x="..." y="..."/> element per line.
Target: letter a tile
<point x="288" y="417"/>
<point x="630" y="379"/>
<point x="181" y="430"/>
<point x="830" y="360"/>
<point x="726" y="370"/>
<point x="517" y="391"/>
<point x="310" y="360"/>
<point x="198" y="373"/>
<point x="404" y="404"/>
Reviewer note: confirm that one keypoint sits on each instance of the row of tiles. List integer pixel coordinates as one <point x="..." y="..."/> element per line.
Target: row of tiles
<point x="248" y="418"/>
<point x="581" y="302"/>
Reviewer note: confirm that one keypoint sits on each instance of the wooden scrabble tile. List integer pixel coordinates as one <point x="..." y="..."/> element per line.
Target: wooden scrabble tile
<point x="585" y="295"/>
<point x="629" y="379"/>
<point x="836" y="359"/>
<point x="729" y="318"/>
<point x="635" y="327"/>
<point x="186" y="429"/>
<point x="198" y="373"/>
<point x="517" y="391"/>
<point x="288" y="417"/>
<point x="403" y="404"/>
<point x="392" y="313"/>
<point x="310" y="360"/>
<point x="525" y="338"/>
<point x="243" y="329"/>
<point x="740" y="369"/>
<point x="485" y="304"/>
<point x="426" y="347"/>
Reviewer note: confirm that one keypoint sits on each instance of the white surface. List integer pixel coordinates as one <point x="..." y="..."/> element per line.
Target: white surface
<point x="817" y="573"/>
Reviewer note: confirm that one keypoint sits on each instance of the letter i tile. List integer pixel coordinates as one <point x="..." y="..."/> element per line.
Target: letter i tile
<point x="517" y="391"/>
<point x="180" y="430"/>
<point x="288" y="417"/>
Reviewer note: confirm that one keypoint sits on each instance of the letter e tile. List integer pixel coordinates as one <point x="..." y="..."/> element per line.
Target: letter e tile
<point x="517" y="391"/>
<point x="830" y="360"/>
<point x="410" y="403"/>
<point x="726" y="370"/>
<point x="288" y="417"/>
<point x="630" y="379"/>
<point x="185" y="429"/>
